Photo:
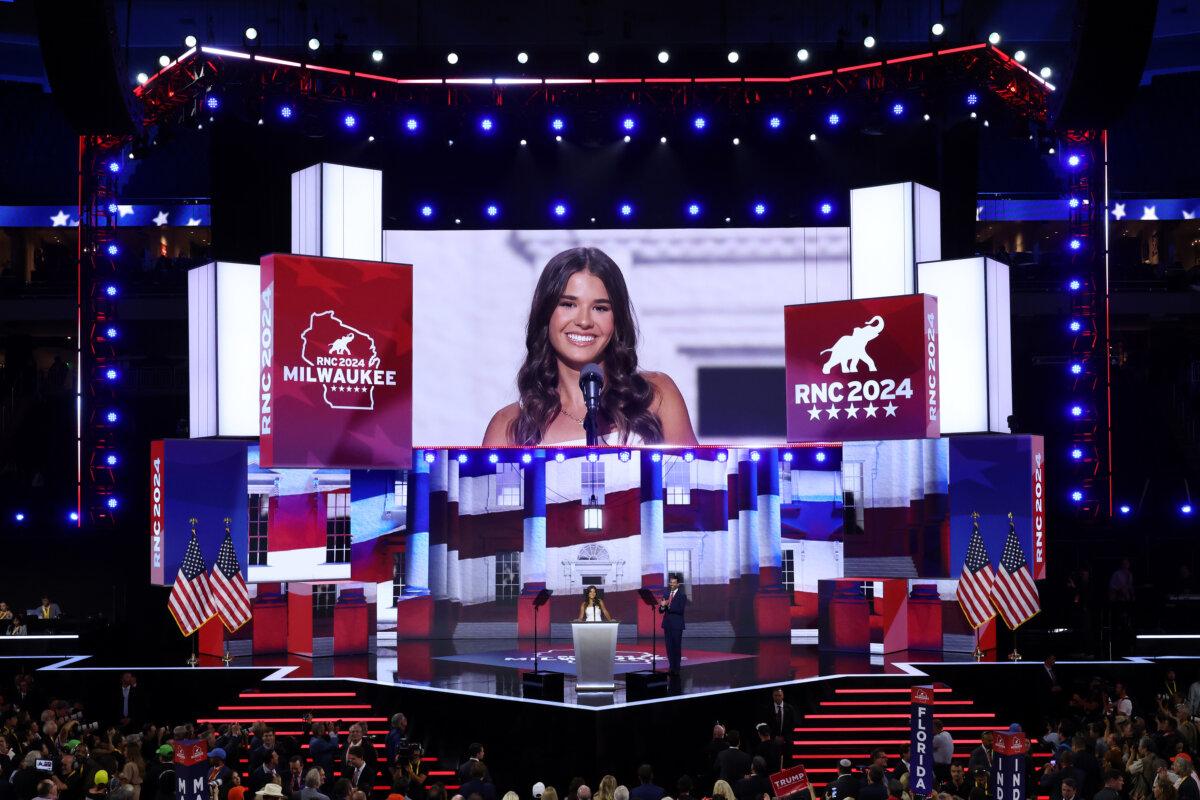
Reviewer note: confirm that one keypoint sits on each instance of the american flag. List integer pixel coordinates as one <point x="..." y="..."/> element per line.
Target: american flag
<point x="230" y="598"/>
<point x="1015" y="593"/>
<point x="189" y="603"/>
<point x="976" y="581"/>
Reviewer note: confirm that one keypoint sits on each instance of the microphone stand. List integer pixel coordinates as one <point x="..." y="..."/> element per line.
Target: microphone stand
<point x="589" y="428"/>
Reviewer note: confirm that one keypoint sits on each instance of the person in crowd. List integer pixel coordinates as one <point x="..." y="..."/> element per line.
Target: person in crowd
<point x="1123" y="703"/>
<point x="1114" y="783"/>
<point x="99" y="787"/>
<point x="356" y="737"/>
<point x="1120" y="585"/>
<point x="979" y="786"/>
<point x="414" y="772"/>
<point x="683" y="788"/>
<point x="1188" y="787"/>
<point x="1084" y="759"/>
<point x="47" y="790"/>
<point x="396" y="737"/>
<point x="646" y="788"/>
<point x="341" y="790"/>
<point x="219" y="775"/>
<point x="1163" y="790"/>
<point x="943" y="751"/>
<point x="708" y="757"/>
<point x="25" y="779"/>
<point x="48" y="610"/>
<point x="733" y="763"/>
<point x="846" y="784"/>
<point x="621" y="792"/>
<point x="1166" y="738"/>
<point x="722" y="791"/>
<point x="549" y="794"/>
<point x="481" y="785"/>
<point x="17" y="627"/>
<point x="69" y="777"/>
<point x="1069" y="789"/>
<point x="956" y="783"/>
<point x="475" y="755"/>
<point x="768" y="747"/>
<point x="322" y="747"/>
<point x="756" y="784"/>
<point x="160" y="775"/>
<point x="312" y="786"/>
<point x="129" y="703"/>
<point x="266" y="771"/>
<point x="608" y="785"/>
<point x="583" y="792"/>
<point x="6" y="614"/>
<point x="982" y="756"/>
<point x="781" y="716"/>
<point x="581" y="314"/>
<point x="133" y="774"/>
<point x="293" y="777"/>
<point x="876" y="788"/>
<point x="360" y="774"/>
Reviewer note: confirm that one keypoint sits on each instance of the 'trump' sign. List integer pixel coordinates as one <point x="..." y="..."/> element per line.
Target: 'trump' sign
<point x="789" y="781"/>
<point x="863" y="369"/>
<point x="920" y="779"/>
<point x="335" y="381"/>
<point x="1008" y="767"/>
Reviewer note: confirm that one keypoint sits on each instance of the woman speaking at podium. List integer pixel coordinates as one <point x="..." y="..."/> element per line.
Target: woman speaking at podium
<point x="592" y="609"/>
<point x="581" y="314"/>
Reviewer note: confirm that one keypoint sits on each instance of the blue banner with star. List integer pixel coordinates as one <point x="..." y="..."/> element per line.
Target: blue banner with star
<point x="173" y="215"/>
<point x="1058" y="210"/>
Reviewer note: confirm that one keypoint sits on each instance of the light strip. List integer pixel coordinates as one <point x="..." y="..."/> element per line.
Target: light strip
<point x="962" y="49"/>
<point x="334" y="70"/>
<point x="566" y="81"/>
<point x="893" y="716"/>
<point x="902" y="59"/>
<point x="897" y="729"/>
<point x="1168" y="636"/>
<point x="224" y="720"/>
<point x="256" y="695"/>
<point x="292" y="708"/>
<point x="517" y="82"/>
<point x="868" y="65"/>
<point x="471" y="81"/>
<point x="885" y="691"/>
<point x="219" y="51"/>
<point x="892" y="703"/>
<point x="281" y="62"/>
<point x="186" y="54"/>
<point x="49" y="636"/>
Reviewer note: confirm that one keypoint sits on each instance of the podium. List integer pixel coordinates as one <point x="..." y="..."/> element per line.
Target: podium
<point x="595" y="654"/>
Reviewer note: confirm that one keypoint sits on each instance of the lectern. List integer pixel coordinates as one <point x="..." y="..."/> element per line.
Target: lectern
<point x="595" y="654"/>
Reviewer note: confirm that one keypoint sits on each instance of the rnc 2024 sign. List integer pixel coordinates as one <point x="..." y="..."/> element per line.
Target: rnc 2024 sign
<point x="863" y="369"/>
<point x="335" y="366"/>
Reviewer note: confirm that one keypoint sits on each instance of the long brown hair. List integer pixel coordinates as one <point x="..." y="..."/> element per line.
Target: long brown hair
<point x="627" y="396"/>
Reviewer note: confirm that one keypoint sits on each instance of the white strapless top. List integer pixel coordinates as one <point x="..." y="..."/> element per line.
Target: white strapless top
<point x="612" y="439"/>
<point x="592" y="614"/>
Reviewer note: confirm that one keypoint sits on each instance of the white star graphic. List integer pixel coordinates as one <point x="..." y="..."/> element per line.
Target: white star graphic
<point x="870" y="409"/>
<point x="160" y="219"/>
<point x="1148" y="212"/>
<point x="1118" y="211"/>
<point x="978" y="213"/>
<point x="1189" y="214"/>
<point x="192" y="222"/>
<point x="124" y="210"/>
<point x="814" y="413"/>
<point x="59" y="220"/>
<point x="890" y="409"/>
<point x="851" y="411"/>
<point x="833" y="412"/>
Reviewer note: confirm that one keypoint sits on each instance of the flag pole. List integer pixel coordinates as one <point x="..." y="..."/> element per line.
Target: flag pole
<point x="194" y="658"/>
<point x="974" y="630"/>
<point x="227" y="659"/>
<point x="1015" y="655"/>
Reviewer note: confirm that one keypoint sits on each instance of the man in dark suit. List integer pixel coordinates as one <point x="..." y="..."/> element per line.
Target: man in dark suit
<point x="755" y="785"/>
<point x="672" y="607"/>
<point x="876" y="788"/>
<point x="733" y="763"/>
<point x="264" y="773"/>
<point x="847" y="784"/>
<point x="646" y="789"/>
<point x="981" y="757"/>
<point x="768" y="748"/>
<point x="478" y="784"/>
<point x="781" y="716"/>
<point x="129" y="702"/>
<point x="360" y="774"/>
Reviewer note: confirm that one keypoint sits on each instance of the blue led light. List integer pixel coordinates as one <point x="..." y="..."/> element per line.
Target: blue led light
<point x="593" y="457"/>
<point x="689" y="456"/>
<point x="834" y="119"/>
<point x="111" y="460"/>
<point x="1075" y="244"/>
<point x="559" y="210"/>
<point x="656" y="457"/>
<point x="112" y="416"/>
<point x="286" y="111"/>
<point x="112" y="502"/>
<point x="1073" y="202"/>
<point x="427" y="211"/>
<point x="1077" y="496"/>
<point x="1124" y="509"/>
<point x="898" y="110"/>
<point x="629" y="123"/>
<point x="760" y="209"/>
<point x="826" y="209"/>
<point x="722" y="456"/>
<point x="1074" y="284"/>
<point x="430" y="456"/>
<point x="820" y="456"/>
<point x="492" y="210"/>
<point x="624" y="455"/>
<point x="1076" y="411"/>
<point x="1077" y="368"/>
<point x="110" y="373"/>
<point x="110" y="332"/>
<point x="560" y="457"/>
<point x="558" y="124"/>
<point x="486" y="124"/>
<point x="1185" y="509"/>
<point x="1076" y="453"/>
<point x="699" y="123"/>
<point x="113" y="249"/>
<point x="1075" y="326"/>
<point x="972" y="99"/>
<point x="113" y="208"/>
<point x="19" y="516"/>
<point x="626" y="209"/>
<point x="755" y="455"/>
<point x="693" y="209"/>
<point x="412" y="124"/>
<point x="526" y="458"/>
<point x="73" y="516"/>
<point x="114" y="167"/>
<point x="213" y="102"/>
<point x="462" y="458"/>
<point x="788" y="457"/>
<point x="349" y="120"/>
<point x="1073" y="160"/>
<point x="493" y="458"/>
<point x="775" y="123"/>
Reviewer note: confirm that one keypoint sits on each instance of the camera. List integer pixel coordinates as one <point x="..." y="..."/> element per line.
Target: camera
<point x="89" y="726"/>
<point x="44" y="765"/>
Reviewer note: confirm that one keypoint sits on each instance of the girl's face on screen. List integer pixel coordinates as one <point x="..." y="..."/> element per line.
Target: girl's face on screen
<point x="582" y="323"/>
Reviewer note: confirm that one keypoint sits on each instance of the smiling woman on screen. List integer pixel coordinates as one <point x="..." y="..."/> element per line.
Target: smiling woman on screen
<point x="581" y="314"/>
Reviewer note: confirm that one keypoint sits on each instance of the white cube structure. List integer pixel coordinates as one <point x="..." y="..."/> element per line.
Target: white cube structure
<point x="337" y="212"/>
<point x="223" y="350"/>
<point x="892" y="229"/>
<point x="975" y="336"/>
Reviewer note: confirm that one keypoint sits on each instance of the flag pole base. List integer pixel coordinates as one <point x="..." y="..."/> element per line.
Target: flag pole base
<point x="978" y="653"/>
<point x="1014" y="655"/>
<point x="193" y="660"/>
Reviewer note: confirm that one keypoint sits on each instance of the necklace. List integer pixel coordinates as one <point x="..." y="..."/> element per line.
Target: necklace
<point x="570" y="415"/>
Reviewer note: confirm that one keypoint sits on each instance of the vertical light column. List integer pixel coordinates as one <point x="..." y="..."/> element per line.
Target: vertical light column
<point x="337" y="212"/>
<point x="439" y="477"/>
<point x="416" y="557"/>
<point x="770" y="548"/>
<point x="747" y="507"/>
<point x="653" y="542"/>
<point x="892" y="228"/>
<point x="533" y="553"/>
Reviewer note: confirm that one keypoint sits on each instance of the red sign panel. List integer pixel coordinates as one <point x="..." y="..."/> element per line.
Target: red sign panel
<point x="922" y="695"/>
<point x="1039" y="509"/>
<point x="335" y="382"/>
<point x="1010" y="744"/>
<point x="863" y="369"/>
<point x="791" y="780"/>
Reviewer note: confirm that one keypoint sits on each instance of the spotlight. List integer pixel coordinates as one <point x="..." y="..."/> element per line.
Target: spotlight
<point x="663" y="56"/>
<point x="163" y="60"/>
<point x="1077" y="496"/>
<point x="430" y="456"/>
<point x="19" y="516"/>
<point x="812" y="137"/>
<point x="1020" y="56"/>
<point x="869" y="42"/>
<point x="689" y="456"/>
<point x="486" y="124"/>
<point x="760" y="209"/>
<point x="349" y="120"/>
<point x="560" y="210"/>
<point x="802" y="54"/>
<point x="560" y="457"/>
<point x="788" y="457"/>
<point x="693" y="209"/>
<point x="938" y="29"/>
<point x="462" y="458"/>
<point x="994" y="37"/>
<point x="427" y="211"/>
<point x="111" y="289"/>
<point x="110" y="374"/>
<point x="593" y="457"/>
<point x="722" y="456"/>
<point x="1076" y="453"/>
<point x="972" y="99"/>
<point x="1073" y="160"/>
<point x="1124" y="509"/>
<point x="626" y="209"/>
<point x="73" y="516"/>
<point x="1076" y="411"/>
<point x="656" y="456"/>
<point x="286" y="111"/>
<point x="142" y="78"/>
<point x="492" y="210"/>
<point x="736" y="141"/>
<point x="699" y="123"/>
<point x="1074" y="284"/>
<point x="925" y="117"/>
<point x="628" y="138"/>
<point x="1075" y="326"/>
<point x="628" y="123"/>
<point x="1073" y="202"/>
<point x="1185" y="509"/>
<point x="523" y="142"/>
<point x="826" y="209"/>
<point x="522" y="57"/>
<point x="819" y="456"/>
<point x="662" y="140"/>
<point x="252" y="34"/>
<point x="110" y="333"/>
<point x="774" y="122"/>
<point x="212" y="102"/>
<point x="1076" y="368"/>
<point x="755" y="455"/>
<point x="189" y="41"/>
<point x="898" y="110"/>
<point x="412" y="124"/>
<point x="493" y="458"/>
<point x="834" y="119"/>
<point x="624" y="455"/>
<point x="111" y="460"/>
<point x="1046" y="72"/>
<point x="314" y="44"/>
<point x="526" y="458"/>
<point x="452" y="58"/>
<point x="114" y="167"/>
<point x="113" y="250"/>
<point x="593" y="57"/>
<point x="1075" y="244"/>
<point x="733" y="56"/>
<point x="112" y="417"/>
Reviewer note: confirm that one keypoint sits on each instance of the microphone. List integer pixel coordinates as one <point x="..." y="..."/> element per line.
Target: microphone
<point x="591" y="382"/>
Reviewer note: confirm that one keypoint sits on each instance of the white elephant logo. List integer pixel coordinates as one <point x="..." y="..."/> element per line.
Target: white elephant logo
<point x="849" y="350"/>
<point x="341" y="345"/>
